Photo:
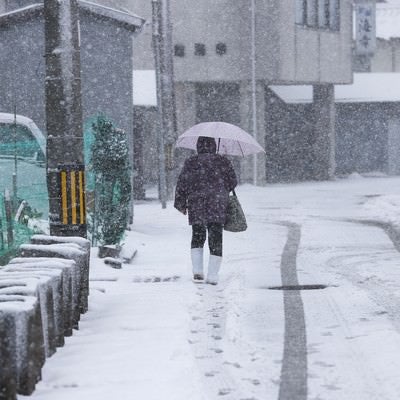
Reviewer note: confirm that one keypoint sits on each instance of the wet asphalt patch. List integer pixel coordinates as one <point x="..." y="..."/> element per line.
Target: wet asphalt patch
<point x="297" y="287"/>
<point x="293" y="380"/>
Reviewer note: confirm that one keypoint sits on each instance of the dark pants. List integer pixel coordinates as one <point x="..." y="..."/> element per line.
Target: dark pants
<point x="199" y="233"/>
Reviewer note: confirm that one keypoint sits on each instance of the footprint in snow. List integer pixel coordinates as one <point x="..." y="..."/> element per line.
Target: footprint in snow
<point x="218" y="351"/>
<point x="233" y="364"/>
<point x="210" y="374"/>
<point x="332" y="387"/>
<point x="324" y="364"/>
<point x="66" y="385"/>
<point x="255" y="382"/>
<point x="99" y="289"/>
<point x="224" y="392"/>
<point x="216" y="337"/>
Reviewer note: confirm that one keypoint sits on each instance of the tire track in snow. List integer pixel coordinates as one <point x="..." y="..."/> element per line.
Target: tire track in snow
<point x="293" y="381"/>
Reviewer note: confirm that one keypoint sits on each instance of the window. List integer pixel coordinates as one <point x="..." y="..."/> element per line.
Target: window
<point x="179" y="50"/>
<point x="199" y="49"/>
<point x="334" y="15"/>
<point x="312" y="13"/>
<point x="322" y="14"/>
<point x="220" y="48"/>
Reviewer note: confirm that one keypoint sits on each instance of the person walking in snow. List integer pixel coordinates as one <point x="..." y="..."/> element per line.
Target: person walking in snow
<point x="202" y="191"/>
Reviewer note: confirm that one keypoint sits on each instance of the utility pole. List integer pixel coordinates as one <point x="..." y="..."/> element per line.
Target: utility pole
<point x="162" y="45"/>
<point x="15" y="173"/>
<point x="65" y="159"/>
<point x="254" y="85"/>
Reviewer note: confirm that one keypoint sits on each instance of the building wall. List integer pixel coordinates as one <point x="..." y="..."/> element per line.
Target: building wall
<point x="289" y="140"/>
<point x="107" y="64"/>
<point x="394" y="143"/>
<point x="106" y="61"/>
<point x="362" y="137"/>
<point x="142" y="44"/>
<point x="367" y="139"/>
<point x="387" y="56"/>
<point x="22" y="70"/>
<point x="312" y="55"/>
<point x="286" y="52"/>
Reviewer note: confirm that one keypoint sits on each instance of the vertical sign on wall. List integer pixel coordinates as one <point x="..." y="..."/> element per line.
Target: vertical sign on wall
<point x="365" y="11"/>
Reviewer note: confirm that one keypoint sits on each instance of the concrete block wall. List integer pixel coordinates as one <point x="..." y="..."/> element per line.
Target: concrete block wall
<point x="43" y="292"/>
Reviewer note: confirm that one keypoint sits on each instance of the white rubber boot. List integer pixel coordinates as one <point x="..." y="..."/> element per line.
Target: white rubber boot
<point x="214" y="265"/>
<point x="197" y="263"/>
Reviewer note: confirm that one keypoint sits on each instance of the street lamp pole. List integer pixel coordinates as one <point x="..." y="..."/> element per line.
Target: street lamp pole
<point x="65" y="159"/>
<point x="15" y="173"/>
<point x="162" y="44"/>
<point x="157" y="40"/>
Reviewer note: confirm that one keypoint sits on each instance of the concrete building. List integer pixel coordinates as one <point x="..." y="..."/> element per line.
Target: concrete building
<point x="296" y="42"/>
<point x="373" y="123"/>
<point x="367" y="121"/>
<point x="106" y="61"/>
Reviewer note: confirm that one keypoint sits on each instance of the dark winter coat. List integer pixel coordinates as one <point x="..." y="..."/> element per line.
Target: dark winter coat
<point x="203" y="187"/>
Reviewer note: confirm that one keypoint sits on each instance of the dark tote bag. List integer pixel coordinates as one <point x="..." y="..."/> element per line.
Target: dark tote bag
<point x="235" y="218"/>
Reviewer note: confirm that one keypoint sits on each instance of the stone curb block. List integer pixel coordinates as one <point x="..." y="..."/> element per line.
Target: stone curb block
<point x="42" y="294"/>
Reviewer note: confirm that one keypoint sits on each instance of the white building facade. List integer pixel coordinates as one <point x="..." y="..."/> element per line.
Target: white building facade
<point x="294" y="42"/>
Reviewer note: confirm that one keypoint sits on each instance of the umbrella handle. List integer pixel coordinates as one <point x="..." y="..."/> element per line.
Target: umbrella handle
<point x="219" y="141"/>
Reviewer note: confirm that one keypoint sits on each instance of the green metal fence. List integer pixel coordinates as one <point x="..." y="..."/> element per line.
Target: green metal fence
<point x="14" y="229"/>
<point x="23" y="176"/>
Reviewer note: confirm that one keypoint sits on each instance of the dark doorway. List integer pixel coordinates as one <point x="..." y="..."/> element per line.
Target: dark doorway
<point x="218" y="102"/>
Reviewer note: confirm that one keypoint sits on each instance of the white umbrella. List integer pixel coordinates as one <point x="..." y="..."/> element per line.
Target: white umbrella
<point x="230" y="139"/>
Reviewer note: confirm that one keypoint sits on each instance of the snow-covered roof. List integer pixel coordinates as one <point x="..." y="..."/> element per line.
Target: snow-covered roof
<point x="144" y="88"/>
<point x="387" y="19"/>
<point x="6" y="118"/>
<point x="367" y="87"/>
<point x="112" y="13"/>
<point x="129" y="20"/>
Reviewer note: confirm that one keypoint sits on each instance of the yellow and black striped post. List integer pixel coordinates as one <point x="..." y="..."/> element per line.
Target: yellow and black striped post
<point x="72" y="196"/>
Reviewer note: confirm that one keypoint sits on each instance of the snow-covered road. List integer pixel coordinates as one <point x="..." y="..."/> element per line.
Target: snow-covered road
<point x="151" y="333"/>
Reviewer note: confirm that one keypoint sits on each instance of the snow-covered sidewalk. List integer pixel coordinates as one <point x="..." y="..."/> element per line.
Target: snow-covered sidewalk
<point x="151" y="333"/>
